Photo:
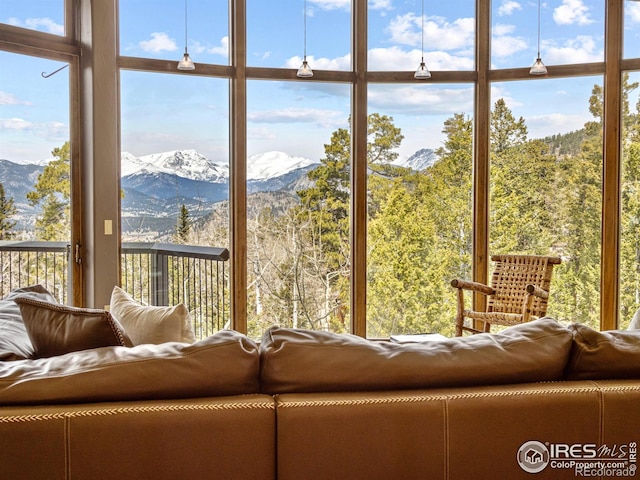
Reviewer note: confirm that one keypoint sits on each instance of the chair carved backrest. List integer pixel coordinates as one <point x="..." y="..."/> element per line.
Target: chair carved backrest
<point x="510" y="278"/>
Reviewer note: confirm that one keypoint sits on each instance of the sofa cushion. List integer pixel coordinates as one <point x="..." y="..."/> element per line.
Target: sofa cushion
<point x="56" y="329"/>
<point x="151" y="324"/>
<point x="14" y="339"/>
<point x="225" y="363"/>
<point x="293" y="360"/>
<point x="598" y="355"/>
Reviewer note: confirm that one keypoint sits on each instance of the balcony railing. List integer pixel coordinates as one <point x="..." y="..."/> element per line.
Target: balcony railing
<point x="152" y="273"/>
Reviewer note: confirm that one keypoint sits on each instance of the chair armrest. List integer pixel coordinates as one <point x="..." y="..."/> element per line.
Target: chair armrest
<point x="473" y="286"/>
<point x="537" y="291"/>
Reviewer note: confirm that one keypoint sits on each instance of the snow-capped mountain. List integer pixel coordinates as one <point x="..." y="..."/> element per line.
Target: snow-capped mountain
<point x="265" y="166"/>
<point x="155" y="186"/>
<point x="423" y="158"/>
<point x="191" y="165"/>
<point x="182" y="163"/>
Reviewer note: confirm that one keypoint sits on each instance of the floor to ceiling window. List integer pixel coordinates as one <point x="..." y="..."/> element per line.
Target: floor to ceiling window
<point x="37" y="138"/>
<point x="420" y="159"/>
<point x="298" y="143"/>
<point x="629" y="276"/>
<point x="546" y="179"/>
<point x="363" y="55"/>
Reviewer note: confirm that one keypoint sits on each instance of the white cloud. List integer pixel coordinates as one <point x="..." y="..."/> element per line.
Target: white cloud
<point x="582" y="49"/>
<point x="222" y="49"/>
<point x="159" y="42"/>
<point x="392" y="59"/>
<point x="380" y="4"/>
<point x="346" y="4"/>
<point x="439" y="34"/>
<point x="572" y="12"/>
<point x="498" y="92"/>
<point x="503" y="45"/>
<point x="43" y="24"/>
<point x="10" y="99"/>
<point x="632" y="10"/>
<point x="420" y="100"/>
<point x="16" y="124"/>
<point x="506" y="45"/>
<point x="48" y="130"/>
<point x="541" y="126"/>
<point x="396" y="59"/>
<point x="332" y="4"/>
<point x="508" y="7"/>
<point x="338" y="63"/>
<point x="324" y="118"/>
<point x="46" y="25"/>
<point x="503" y="29"/>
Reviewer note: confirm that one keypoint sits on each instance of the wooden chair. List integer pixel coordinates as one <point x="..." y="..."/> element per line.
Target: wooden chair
<point x="519" y="292"/>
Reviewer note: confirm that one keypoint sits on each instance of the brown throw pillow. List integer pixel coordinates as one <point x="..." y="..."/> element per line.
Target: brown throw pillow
<point x="56" y="329"/>
<point x="14" y="340"/>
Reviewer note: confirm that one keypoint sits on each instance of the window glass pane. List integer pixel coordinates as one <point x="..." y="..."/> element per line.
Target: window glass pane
<point x="546" y="179"/>
<point x="298" y="174"/>
<point x="420" y="206"/>
<point x="276" y="36"/>
<point x="35" y="150"/>
<point x="152" y="29"/>
<point x="396" y="35"/>
<point x="631" y="29"/>
<point x="42" y="15"/>
<point x="630" y="202"/>
<point x="175" y="190"/>
<point x="571" y="31"/>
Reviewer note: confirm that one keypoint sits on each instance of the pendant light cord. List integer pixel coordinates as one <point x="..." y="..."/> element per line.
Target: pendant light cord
<point x="422" y="33"/>
<point x="186" y="23"/>
<point x="305" y="29"/>
<point x="538" y="28"/>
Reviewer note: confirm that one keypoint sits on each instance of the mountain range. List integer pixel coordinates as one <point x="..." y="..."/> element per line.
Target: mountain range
<point x="155" y="186"/>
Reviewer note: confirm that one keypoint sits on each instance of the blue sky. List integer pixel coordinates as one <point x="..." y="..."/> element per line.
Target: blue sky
<point x="299" y="117"/>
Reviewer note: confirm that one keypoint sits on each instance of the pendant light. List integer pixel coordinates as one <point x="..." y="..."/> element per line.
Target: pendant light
<point x="538" y="67"/>
<point x="305" y="70"/>
<point x="422" y="73"/>
<point x="186" y="63"/>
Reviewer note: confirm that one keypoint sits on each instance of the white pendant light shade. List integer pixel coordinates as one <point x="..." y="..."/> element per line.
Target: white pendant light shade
<point x="305" y="70"/>
<point x="538" y="68"/>
<point x="186" y="63"/>
<point x="422" y="73"/>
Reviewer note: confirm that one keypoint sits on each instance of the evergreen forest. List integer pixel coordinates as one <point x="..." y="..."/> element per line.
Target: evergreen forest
<point x="545" y="198"/>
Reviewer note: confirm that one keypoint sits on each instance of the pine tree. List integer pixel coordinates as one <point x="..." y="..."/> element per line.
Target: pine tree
<point x="183" y="226"/>
<point x="7" y="210"/>
<point x="53" y="191"/>
<point x="420" y="238"/>
<point x="325" y="207"/>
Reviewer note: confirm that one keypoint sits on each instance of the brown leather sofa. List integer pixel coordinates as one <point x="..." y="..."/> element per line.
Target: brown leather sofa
<point x="539" y="400"/>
